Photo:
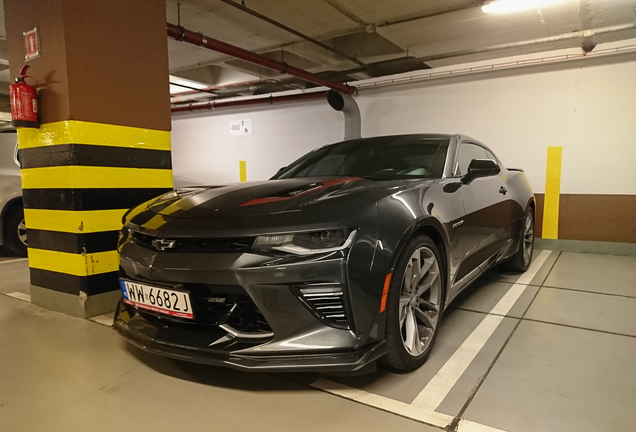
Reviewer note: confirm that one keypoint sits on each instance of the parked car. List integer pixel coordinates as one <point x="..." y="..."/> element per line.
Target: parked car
<point x="13" y="230"/>
<point x="347" y="256"/>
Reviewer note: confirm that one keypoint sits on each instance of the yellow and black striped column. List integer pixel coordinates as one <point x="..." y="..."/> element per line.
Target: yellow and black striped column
<point x="103" y="145"/>
<point x="78" y="179"/>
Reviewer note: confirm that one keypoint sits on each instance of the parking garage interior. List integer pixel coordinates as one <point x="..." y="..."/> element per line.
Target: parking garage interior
<point x="137" y="99"/>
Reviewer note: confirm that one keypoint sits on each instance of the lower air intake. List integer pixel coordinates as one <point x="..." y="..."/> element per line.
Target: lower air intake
<point x="326" y="301"/>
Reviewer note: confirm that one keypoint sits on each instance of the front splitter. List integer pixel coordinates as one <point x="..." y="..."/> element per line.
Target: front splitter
<point x="348" y="361"/>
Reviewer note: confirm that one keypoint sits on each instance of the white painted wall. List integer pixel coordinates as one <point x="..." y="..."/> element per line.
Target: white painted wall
<point x="588" y="107"/>
<point x="203" y="150"/>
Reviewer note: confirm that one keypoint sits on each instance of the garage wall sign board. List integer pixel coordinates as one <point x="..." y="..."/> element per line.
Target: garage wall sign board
<point x="241" y="127"/>
<point x="32" y="44"/>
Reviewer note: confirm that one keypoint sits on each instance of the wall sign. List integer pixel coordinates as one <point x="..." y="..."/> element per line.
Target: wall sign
<point x="241" y="127"/>
<point x="32" y="44"/>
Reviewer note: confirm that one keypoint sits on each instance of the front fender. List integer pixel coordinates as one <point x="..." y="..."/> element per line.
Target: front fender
<point x="404" y="214"/>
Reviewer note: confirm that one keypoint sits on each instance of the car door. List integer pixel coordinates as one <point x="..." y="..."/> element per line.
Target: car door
<point x="485" y="230"/>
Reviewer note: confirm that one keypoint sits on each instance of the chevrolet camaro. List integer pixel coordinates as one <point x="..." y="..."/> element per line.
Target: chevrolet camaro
<point x="346" y="257"/>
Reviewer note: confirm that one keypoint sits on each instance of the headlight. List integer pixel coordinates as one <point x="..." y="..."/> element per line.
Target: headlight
<point x="306" y="243"/>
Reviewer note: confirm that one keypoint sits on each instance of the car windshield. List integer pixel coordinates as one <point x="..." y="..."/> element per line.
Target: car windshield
<point x="375" y="158"/>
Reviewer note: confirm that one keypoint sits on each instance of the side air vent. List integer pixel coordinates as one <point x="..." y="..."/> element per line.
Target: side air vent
<point x="326" y="301"/>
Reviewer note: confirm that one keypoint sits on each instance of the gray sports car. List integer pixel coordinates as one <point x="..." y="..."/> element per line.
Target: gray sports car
<point x="345" y="257"/>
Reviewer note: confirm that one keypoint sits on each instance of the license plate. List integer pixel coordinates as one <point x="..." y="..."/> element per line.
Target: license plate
<point x="157" y="299"/>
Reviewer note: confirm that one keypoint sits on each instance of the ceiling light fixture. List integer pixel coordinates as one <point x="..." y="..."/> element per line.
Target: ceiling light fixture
<point x="508" y="6"/>
<point x="180" y="85"/>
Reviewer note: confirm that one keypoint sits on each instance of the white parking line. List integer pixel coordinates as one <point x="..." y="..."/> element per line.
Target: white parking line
<point x="20" y="296"/>
<point x="438" y="388"/>
<point x="384" y="403"/>
<point x="468" y="426"/>
<point x="424" y="405"/>
<point x="13" y="260"/>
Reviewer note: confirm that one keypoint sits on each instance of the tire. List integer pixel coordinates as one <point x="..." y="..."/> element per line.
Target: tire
<point x="410" y="345"/>
<point x="521" y="260"/>
<point x="15" y="232"/>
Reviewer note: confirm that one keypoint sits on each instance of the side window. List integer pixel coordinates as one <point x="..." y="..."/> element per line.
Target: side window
<point x="466" y="153"/>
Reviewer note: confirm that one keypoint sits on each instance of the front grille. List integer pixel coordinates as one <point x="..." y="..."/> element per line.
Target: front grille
<point x="195" y="245"/>
<point x="214" y="305"/>
<point x="326" y="301"/>
<point x="217" y="304"/>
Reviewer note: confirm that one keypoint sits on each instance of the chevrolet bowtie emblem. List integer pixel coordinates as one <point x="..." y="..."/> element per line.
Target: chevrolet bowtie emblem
<point x="163" y="244"/>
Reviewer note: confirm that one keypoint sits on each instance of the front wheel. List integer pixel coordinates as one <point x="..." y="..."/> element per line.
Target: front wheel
<point x="415" y="303"/>
<point x="521" y="260"/>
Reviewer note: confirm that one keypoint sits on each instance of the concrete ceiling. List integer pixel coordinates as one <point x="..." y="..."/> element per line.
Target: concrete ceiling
<point x="374" y="37"/>
<point x="430" y="34"/>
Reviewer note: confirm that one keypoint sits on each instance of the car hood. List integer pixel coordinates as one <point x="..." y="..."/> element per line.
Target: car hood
<point x="273" y="197"/>
<point x="270" y="206"/>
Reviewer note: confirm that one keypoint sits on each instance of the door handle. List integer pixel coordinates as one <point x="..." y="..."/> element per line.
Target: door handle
<point x="503" y="190"/>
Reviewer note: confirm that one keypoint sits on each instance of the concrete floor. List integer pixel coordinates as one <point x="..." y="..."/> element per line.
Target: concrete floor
<point x="559" y="355"/>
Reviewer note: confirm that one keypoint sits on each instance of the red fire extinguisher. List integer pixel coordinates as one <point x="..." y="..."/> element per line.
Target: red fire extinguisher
<point x="24" y="102"/>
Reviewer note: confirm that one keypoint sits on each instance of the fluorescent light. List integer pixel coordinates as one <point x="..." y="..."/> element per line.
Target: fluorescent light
<point x="508" y="6"/>
<point x="180" y="85"/>
<point x="176" y="89"/>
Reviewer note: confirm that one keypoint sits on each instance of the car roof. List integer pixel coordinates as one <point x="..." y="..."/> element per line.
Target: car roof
<point x="461" y="137"/>
<point x="455" y="139"/>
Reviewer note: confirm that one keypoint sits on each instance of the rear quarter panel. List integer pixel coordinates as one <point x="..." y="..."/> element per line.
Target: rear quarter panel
<point x="520" y="189"/>
<point x="522" y="194"/>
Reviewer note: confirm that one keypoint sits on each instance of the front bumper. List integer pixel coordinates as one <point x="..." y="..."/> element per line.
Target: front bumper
<point x="298" y="340"/>
<point x="195" y="347"/>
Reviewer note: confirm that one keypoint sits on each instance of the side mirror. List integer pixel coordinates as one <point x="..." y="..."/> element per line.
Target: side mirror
<point x="16" y="156"/>
<point x="452" y="187"/>
<point x="480" y="168"/>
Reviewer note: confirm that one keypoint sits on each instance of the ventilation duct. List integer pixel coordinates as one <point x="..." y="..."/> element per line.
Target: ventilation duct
<point x="349" y="108"/>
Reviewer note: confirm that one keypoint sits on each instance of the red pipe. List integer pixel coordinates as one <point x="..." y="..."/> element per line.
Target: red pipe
<point x="249" y="102"/>
<point x="181" y="34"/>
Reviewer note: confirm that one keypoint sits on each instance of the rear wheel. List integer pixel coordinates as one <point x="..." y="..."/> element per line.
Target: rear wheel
<point x="15" y="232"/>
<point x="414" y="305"/>
<point x="521" y="260"/>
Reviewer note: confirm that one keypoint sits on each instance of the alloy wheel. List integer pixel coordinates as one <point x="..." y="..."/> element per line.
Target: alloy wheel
<point x="528" y="239"/>
<point x="420" y="301"/>
<point x="22" y="233"/>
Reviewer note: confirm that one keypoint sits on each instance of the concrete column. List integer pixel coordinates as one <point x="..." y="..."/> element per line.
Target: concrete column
<point x="104" y="143"/>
